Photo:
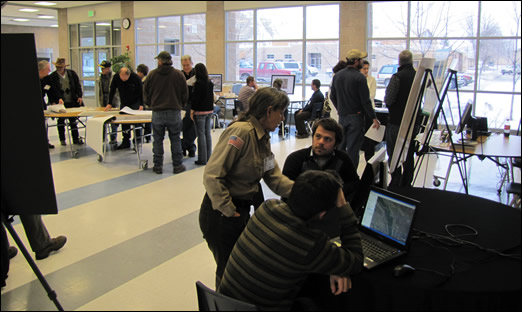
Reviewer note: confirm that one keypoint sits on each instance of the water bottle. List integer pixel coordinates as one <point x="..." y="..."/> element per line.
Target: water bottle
<point x="507" y="128"/>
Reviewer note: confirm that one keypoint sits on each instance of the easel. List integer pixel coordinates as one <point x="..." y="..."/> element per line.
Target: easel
<point x="50" y="293"/>
<point x="431" y="126"/>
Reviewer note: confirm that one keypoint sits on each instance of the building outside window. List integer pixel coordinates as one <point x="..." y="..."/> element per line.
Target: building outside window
<point x="283" y="39"/>
<point x="487" y="59"/>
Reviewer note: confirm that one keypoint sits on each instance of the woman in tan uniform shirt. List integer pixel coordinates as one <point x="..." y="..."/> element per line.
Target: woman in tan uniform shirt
<point x="240" y="159"/>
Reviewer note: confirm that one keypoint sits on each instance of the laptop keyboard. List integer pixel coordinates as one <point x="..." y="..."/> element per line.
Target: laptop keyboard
<point x="377" y="251"/>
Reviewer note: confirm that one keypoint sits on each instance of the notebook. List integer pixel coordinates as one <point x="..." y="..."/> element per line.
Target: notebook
<point x="386" y="226"/>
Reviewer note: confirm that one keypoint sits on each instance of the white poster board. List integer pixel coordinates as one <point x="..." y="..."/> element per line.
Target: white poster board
<point x="404" y="137"/>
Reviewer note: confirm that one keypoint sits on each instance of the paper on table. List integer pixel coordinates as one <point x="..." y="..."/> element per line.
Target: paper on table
<point x="130" y="111"/>
<point x="94" y="137"/>
<point x="57" y="108"/>
<point x="376" y="134"/>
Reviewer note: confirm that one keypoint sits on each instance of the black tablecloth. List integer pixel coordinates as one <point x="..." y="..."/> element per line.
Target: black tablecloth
<point x="482" y="280"/>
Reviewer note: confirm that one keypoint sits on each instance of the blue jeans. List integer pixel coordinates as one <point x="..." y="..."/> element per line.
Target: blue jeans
<point x="353" y="127"/>
<point x="166" y="120"/>
<point x="202" y="123"/>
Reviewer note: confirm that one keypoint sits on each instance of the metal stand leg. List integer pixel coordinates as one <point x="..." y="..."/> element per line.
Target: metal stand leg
<point x="74" y="153"/>
<point x="137" y="146"/>
<point x="50" y="292"/>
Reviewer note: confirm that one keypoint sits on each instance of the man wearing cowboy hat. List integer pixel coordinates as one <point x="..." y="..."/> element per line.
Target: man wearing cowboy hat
<point x="71" y="94"/>
<point x="351" y="97"/>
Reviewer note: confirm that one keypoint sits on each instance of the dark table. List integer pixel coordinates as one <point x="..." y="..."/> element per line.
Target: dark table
<point x="482" y="280"/>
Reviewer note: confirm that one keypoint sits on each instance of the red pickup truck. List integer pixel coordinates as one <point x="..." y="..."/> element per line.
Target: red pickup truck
<point x="265" y="70"/>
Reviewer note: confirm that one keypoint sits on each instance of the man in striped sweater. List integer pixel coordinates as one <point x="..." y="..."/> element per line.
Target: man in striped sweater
<point x="279" y="249"/>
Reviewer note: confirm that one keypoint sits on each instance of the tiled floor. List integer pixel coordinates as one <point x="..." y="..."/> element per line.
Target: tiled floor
<point x="134" y="241"/>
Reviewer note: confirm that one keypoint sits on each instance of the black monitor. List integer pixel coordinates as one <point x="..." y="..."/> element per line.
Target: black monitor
<point x="217" y="81"/>
<point x="465" y="119"/>
<point x="288" y="84"/>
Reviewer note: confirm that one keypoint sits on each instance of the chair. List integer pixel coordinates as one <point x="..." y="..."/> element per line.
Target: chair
<point x="514" y="189"/>
<point x="238" y="107"/>
<point x="209" y="300"/>
<point x="317" y="113"/>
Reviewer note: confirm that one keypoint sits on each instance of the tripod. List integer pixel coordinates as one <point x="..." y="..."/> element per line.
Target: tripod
<point x="50" y="293"/>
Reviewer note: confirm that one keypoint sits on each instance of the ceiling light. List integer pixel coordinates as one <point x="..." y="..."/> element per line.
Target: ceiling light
<point x="45" y="3"/>
<point x="28" y="10"/>
<point x="103" y="24"/>
<point x="46" y="16"/>
<point x="20" y="19"/>
<point x="56" y="26"/>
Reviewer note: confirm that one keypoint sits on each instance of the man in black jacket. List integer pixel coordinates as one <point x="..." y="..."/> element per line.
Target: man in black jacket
<point x="312" y="110"/>
<point x="71" y="94"/>
<point x="131" y="94"/>
<point x="48" y="88"/>
<point x="351" y="97"/>
<point x="323" y="155"/>
<point x="395" y="98"/>
<point x="189" y="130"/>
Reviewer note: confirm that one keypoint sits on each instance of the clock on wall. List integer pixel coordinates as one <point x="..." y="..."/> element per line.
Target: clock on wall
<point x="126" y="23"/>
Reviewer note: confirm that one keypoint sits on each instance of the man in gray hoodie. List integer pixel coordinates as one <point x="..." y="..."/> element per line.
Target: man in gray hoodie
<point x="166" y="92"/>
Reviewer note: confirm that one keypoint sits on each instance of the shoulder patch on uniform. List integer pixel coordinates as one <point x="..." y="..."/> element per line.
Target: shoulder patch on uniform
<point x="236" y="141"/>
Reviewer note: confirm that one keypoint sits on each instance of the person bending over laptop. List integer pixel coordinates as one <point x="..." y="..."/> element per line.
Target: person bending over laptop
<point x="278" y="250"/>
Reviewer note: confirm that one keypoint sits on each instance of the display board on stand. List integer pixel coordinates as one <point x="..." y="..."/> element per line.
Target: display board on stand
<point x="409" y="118"/>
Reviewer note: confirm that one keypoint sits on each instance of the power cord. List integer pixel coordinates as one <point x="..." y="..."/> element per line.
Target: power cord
<point x="454" y="240"/>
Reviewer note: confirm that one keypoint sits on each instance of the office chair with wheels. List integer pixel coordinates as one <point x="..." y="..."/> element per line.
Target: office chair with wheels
<point x="209" y="300"/>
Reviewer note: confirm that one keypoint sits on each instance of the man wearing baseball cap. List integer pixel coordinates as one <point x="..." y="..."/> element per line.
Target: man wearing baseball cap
<point x="351" y="97"/>
<point x="166" y="93"/>
<point x="104" y="84"/>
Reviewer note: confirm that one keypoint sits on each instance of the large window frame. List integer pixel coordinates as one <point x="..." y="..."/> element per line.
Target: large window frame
<point x="297" y="46"/>
<point x="471" y="90"/>
<point x="86" y="52"/>
<point x="187" y="43"/>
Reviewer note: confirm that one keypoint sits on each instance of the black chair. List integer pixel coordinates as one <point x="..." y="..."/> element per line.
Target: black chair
<point x="317" y="113"/>
<point x="514" y="189"/>
<point x="209" y="300"/>
<point x="238" y="107"/>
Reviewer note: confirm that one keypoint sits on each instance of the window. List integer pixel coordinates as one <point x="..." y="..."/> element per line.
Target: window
<point x="486" y="59"/>
<point x="296" y="40"/>
<point x="178" y="35"/>
<point x="91" y="43"/>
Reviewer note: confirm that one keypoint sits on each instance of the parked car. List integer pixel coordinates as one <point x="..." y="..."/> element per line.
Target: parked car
<point x="461" y="81"/>
<point x="509" y="70"/>
<point x="312" y="71"/>
<point x="296" y="68"/>
<point x="466" y="78"/>
<point x="265" y="70"/>
<point x="329" y="72"/>
<point x="385" y="73"/>
<point x="245" y="64"/>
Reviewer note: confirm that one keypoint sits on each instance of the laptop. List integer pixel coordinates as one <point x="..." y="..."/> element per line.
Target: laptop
<point x="386" y="226"/>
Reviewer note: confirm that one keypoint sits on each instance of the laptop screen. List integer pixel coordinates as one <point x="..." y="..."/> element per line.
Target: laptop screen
<point x="389" y="215"/>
